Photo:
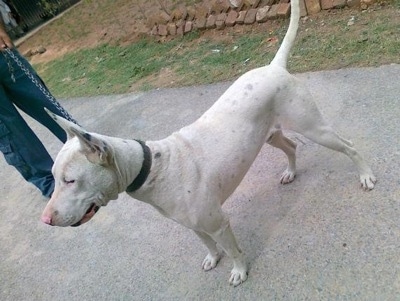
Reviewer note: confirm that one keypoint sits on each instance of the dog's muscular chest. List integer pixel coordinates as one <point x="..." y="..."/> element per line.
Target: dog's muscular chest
<point x="187" y="178"/>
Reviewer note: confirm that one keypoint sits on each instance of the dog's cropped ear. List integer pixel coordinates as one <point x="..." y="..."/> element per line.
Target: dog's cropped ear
<point x="63" y="123"/>
<point x="95" y="149"/>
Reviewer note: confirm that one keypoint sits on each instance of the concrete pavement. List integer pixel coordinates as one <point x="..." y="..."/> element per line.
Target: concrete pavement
<point x="319" y="238"/>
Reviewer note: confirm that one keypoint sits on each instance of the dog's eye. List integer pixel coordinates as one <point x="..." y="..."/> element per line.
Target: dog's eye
<point x="68" y="181"/>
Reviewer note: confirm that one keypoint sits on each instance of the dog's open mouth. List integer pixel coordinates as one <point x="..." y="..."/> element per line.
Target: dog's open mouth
<point x="88" y="215"/>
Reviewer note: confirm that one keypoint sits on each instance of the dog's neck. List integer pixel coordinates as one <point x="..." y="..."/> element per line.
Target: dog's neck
<point x="144" y="171"/>
<point x="132" y="159"/>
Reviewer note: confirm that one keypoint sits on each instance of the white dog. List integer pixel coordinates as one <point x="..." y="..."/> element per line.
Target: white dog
<point x="190" y="174"/>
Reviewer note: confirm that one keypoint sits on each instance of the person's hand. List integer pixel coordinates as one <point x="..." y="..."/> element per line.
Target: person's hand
<point x="5" y="41"/>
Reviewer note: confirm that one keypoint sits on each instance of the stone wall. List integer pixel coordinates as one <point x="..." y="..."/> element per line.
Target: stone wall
<point x="218" y="14"/>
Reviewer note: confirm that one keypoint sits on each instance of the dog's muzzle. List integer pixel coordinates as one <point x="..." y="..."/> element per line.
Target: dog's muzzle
<point x="92" y="210"/>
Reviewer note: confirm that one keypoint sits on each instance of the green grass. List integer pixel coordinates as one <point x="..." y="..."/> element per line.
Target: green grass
<point x="109" y="69"/>
<point x="376" y="42"/>
<point x="215" y="61"/>
<point x="105" y="69"/>
<point x="325" y="43"/>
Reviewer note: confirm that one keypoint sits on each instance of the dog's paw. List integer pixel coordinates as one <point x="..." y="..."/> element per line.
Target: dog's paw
<point x="238" y="276"/>
<point x="210" y="262"/>
<point x="287" y="176"/>
<point x="368" y="181"/>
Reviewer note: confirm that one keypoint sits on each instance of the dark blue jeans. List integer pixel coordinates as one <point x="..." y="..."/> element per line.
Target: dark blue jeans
<point x="19" y="144"/>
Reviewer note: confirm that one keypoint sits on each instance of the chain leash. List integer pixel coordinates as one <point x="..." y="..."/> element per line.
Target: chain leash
<point x="8" y="55"/>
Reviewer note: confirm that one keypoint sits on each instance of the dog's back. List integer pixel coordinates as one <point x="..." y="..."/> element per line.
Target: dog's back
<point x="239" y="122"/>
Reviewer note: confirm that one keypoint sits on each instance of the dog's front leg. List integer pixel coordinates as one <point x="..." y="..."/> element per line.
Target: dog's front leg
<point x="213" y="255"/>
<point x="225" y="238"/>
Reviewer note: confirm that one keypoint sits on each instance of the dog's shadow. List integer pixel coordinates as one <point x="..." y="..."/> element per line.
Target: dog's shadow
<point x="261" y="207"/>
<point x="260" y="203"/>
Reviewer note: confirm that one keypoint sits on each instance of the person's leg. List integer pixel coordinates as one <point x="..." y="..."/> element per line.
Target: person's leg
<point x="22" y="148"/>
<point x="29" y="95"/>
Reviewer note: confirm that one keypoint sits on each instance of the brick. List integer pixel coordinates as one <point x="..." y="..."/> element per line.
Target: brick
<point x="221" y="17"/>
<point x="171" y="27"/>
<point x="200" y="23"/>
<point x="162" y="30"/>
<point x="180" y="29"/>
<point x="241" y="17"/>
<point x="210" y="24"/>
<point x="273" y="12"/>
<point x="250" y="16"/>
<point x="329" y="4"/>
<point x="261" y="15"/>
<point x="303" y="9"/>
<point x="353" y="3"/>
<point x="313" y="6"/>
<point x="219" y="6"/>
<point x="340" y="3"/>
<point x="219" y="24"/>
<point x="238" y="4"/>
<point x="188" y="27"/>
<point x="231" y="18"/>
<point x="283" y="10"/>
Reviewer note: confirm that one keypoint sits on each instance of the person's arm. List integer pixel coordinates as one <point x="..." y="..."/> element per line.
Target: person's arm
<point x="5" y="41"/>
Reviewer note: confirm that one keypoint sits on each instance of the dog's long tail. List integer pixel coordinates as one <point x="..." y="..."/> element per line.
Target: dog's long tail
<point x="282" y="55"/>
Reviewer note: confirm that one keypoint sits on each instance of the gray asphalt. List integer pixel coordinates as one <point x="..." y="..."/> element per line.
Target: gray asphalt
<point x="319" y="238"/>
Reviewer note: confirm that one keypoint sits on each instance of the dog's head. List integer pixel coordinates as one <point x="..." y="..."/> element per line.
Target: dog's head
<point x="85" y="177"/>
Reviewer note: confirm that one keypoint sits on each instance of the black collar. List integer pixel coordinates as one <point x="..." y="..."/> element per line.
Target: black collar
<point x="144" y="171"/>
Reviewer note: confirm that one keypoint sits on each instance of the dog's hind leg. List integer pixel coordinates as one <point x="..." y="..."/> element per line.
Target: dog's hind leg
<point x="324" y="135"/>
<point x="213" y="255"/>
<point x="278" y="140"/>
<point x="309" y="122"/>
